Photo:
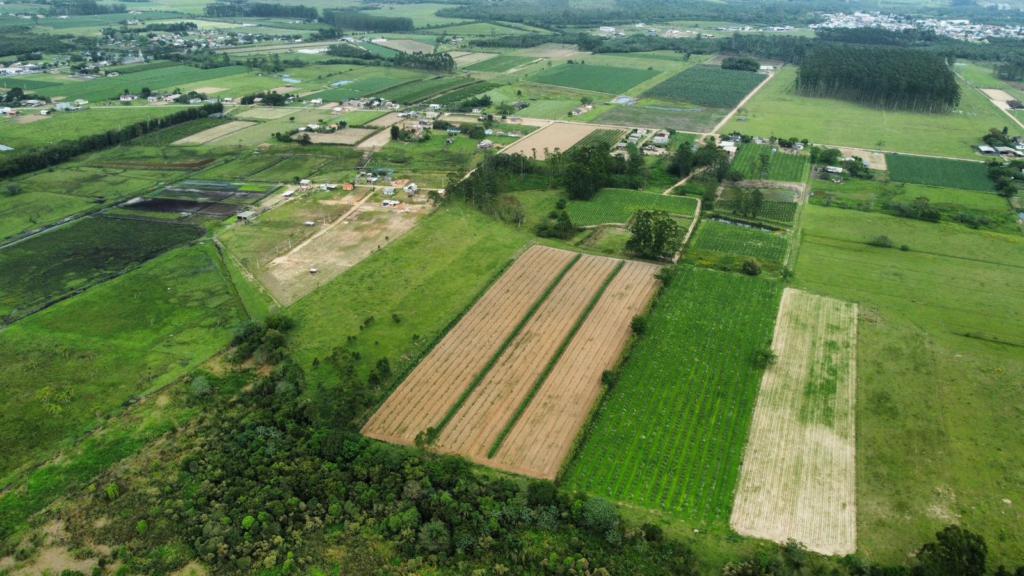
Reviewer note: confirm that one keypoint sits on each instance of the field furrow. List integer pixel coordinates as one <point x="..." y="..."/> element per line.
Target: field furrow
<point x="797" y="480"/>
<point x="434" y="386"/>
<point x="483" y="416"/>
<point x="542" y="438"/>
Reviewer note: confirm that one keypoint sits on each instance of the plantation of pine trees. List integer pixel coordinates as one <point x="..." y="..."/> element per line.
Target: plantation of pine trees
<point x="877" y="76"/>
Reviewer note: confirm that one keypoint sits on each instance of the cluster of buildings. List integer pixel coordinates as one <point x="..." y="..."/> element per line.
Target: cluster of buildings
<point x="957" y="29"/>
<point x="651" y="142"/>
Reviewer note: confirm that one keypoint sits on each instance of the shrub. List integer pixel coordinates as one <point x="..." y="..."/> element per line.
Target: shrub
<point x="751" y="267"/>
<point x="881" y="242"/>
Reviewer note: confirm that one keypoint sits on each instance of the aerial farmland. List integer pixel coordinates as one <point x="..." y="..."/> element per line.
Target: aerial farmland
<point x="681" y="289"/>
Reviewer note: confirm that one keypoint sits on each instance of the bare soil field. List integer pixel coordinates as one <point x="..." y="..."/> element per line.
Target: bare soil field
<point x="798" y="474"/>
<point x="409" y="46"/>
<point x="207" y="136"/>
<point x="375" y="142"/>
<point x="210" y="90"/>
<point x="30" y="118"/>
<point x="543" y="437"/>
<point x="872" y="158"/>
<point x="345" y="136"/>
<point x="556" y="136"/>
<point x="470" y="58"/>
<point x="1000" y="98"/>
<point x="488" y="409"/>
<point x="435" y="385"/>
<point x="385" y="121"/>
<point x="343" y="244"/>
<point x="552" y="51"/>
<point x="265" y="113"/>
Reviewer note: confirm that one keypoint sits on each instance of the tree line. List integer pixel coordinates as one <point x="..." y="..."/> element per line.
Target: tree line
<point x="895" y="78"/>
<point x="260" y="10"/>
<point x="434" y="61"/>
<point x="21" y="162"/>
<point x="356" y="21"/>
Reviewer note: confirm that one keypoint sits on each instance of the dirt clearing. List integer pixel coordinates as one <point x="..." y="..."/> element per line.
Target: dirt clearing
<point x="542" y="439"/>
<point x="872" y="158"/>
<point x="408" y="46"/>
<point x="207" y="136"/>
<point x="345" y="136"/>
<point x="491" y="405"/>
<point x="798" y="475"/>
<point x="998" y="97"/>
<point x="434" y="386"/>
<point x="552" y="51"/>
<point x="385" y="121"/>
<point x="210" y="90"/>
<point x="559" y="136"/>
<point x="375" y="142"/>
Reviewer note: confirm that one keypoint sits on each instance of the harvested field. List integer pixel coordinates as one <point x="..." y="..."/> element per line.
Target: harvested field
<point x="409" y="46"/>
<point x="436" y="384"/>
<point x="345" y="136"/>
<point x="265" y="113"/>
<point x="552" y="51"/>
<point x="385" y="121"/>
<point x="375" y="142"/>
<point x="479" y="421"/>
<point x="543" y="437"/>
<point x="798" y="475"/>
<point x="207" y="136"/>
<point x="471" y="58"/>
<point x="554" y="137"/>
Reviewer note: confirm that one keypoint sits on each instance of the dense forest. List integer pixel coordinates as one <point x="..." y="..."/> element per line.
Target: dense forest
<point x="355" y="21"/>
<point x="21" y="40"/>
<point x="83" y="8"/>
<point x="887" y="77"/>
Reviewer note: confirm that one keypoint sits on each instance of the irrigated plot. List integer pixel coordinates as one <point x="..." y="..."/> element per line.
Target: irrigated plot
<point x="436" y="384"/>
<point x="480" y="419"/>
<point x="542" y="438"/>
<point x="798" y="474"/>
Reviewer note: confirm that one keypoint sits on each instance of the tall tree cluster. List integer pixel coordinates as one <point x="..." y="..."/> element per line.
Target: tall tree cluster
<point x="354" y="20"/>
<point x="895" y="78"/>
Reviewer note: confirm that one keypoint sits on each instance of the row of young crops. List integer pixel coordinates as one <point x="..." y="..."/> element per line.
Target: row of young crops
<point x="609" y="137"/>
<point x="762" y="162"/>
<point x="670" y="434"/>
<point x="707" y="86"/>
<point x="413" y="92"/>
<point x="774" y="210"/>
<point x="736" y="240"/>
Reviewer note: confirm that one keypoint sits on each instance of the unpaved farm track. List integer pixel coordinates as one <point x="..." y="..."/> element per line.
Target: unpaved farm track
<point x="541" y="440"/>
<point x="481" y="419"/>
<point x="436" y="384"/>
<point x="798" y="475"/>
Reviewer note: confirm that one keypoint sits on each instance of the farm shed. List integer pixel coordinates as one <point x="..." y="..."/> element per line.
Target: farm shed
<point x="247" y="216"/>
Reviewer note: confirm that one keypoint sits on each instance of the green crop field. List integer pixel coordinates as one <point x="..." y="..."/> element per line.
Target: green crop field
<point x="617" y="206"/>
<point x="68" y="366"/>
<point x="943" y="320"/>
<point x="777" y="110"/>
<point x="460" y="94"/>
<point x="670" y="435"/>
<point x="71" y="258"/>
<point x="781" y="166"/>
<point x="939" y="172"/>
<point x="735" y="240"/>
<point x="594" y="77"/>
<point x="659" y="115"/>
<point x="707" y="86"/>
<point x="155" y="79"/>
<point x="609" y="137"/>
<point x="419" y="91"/>
<point x="500" y="63"/>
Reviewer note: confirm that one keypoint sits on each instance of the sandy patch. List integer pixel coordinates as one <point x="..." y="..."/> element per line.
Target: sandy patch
<point x="207" y="136"/>
<point x="31" y="118"/>
<point x="285" y="89"/>
<point x="55" y="560"/>
<point x="998" y="97"/>
<point x="345" y="136"/>
<point x="559" y="136"/>
<point x="798" y="479"/>
<point x="873" y="159"/>
<point x="191" y="569"/>
<point x="375" y="142"/>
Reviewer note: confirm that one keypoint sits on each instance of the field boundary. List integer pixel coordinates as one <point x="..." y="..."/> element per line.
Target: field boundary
<point x="535" y="387"/>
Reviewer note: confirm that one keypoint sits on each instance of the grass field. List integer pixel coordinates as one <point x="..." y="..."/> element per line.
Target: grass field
<point x="781" y="166"/>
<point x="617" y="206"/>
<point x="71" y="125"/>
<point x="68" y="366"/>
<point x="707" y="86"/>
<point x="500" y="63"/>
<point x="939" y="172"/>
<point x="593" y="77"/>
<point x="944" y="321"/>
<point x="730" y="239"/>
<point x="72" y="258"/>
<point x="670" y="434"/>
<point x="777" y="110"/>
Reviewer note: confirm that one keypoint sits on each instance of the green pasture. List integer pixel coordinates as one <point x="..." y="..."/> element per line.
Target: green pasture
<point x="19" y="133"/>
<point x="617" y="206"/>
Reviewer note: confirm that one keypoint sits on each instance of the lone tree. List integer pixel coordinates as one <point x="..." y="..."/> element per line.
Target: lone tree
<point x="655" y="234"/>
<point x="956" y="551"/>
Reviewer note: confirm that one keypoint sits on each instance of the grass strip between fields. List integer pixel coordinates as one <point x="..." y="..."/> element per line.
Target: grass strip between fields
<point x="434" y="432"/>
<point x="554" y="361"/>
